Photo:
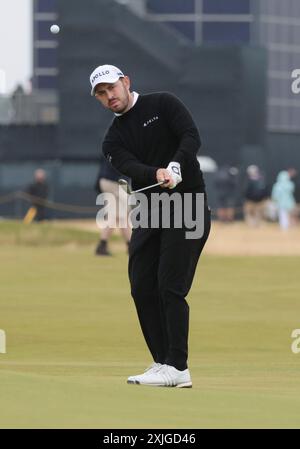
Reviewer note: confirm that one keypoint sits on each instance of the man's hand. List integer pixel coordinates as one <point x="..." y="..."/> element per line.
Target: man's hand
<point x="171" y="175"/>
<point x="162" y="175"/>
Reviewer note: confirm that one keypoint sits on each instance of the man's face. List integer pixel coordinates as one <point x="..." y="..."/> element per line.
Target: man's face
<point x="292" y="173"/>
<point x="40" y="175"/>
<point x="116" y="96"/>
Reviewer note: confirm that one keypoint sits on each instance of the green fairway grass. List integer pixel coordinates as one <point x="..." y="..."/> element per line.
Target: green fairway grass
<point x="73" y="339"/>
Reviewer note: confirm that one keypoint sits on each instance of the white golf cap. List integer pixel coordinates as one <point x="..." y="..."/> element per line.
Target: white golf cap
<point x="105" y="74"/>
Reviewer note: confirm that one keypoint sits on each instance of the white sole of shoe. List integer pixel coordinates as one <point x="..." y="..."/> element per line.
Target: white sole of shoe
<point x="183" y="385"/>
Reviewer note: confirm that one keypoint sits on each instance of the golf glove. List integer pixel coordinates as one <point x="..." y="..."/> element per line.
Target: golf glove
<point x="175" y="171"/>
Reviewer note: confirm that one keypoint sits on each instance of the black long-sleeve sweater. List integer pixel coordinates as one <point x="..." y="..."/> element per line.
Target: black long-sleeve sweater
<point x="158" y="129"/>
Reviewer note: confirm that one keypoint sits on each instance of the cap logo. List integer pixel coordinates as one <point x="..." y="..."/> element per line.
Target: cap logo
<point x="99" y="74"/>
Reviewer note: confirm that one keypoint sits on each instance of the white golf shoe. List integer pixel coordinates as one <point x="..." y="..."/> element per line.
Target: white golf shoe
<point x="163" y="376"/>
<point x="153" y="368"/>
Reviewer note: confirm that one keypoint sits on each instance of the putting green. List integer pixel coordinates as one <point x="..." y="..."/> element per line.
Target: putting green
<point x="73" y="338"/>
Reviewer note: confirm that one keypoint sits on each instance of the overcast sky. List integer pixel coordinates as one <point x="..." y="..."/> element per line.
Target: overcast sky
<point x="15" y="43"/>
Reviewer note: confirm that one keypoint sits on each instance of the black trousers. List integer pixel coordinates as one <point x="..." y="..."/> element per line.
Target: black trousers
<point x="162" y="264"/>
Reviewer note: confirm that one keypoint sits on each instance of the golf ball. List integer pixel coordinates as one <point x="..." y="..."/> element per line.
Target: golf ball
<point x="54" y="29"/>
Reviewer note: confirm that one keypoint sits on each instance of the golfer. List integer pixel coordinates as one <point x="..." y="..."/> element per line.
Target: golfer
<point x="153" y="138"/>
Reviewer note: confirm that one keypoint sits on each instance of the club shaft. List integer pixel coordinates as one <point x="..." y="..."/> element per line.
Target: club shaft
<point x="149" y="187"/>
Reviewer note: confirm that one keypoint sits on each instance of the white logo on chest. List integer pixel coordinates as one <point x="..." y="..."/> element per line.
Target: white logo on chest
<point x="151" y="120"/>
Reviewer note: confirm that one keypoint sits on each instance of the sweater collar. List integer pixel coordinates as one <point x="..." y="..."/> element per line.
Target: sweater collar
<point x="135" y="98"/>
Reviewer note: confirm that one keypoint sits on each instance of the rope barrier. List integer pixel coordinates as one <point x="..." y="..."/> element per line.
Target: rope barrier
<point x="7" y="198"/>
<point x="55" y="205"/>
<point x="67" y="207"/>
<point x="46" y="203"/>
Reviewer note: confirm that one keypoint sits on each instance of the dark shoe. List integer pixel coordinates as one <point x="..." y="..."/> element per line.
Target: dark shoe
<point x="102" y="250"/>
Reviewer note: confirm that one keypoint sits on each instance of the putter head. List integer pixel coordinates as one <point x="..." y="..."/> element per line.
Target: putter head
<point x="125" y="186"/>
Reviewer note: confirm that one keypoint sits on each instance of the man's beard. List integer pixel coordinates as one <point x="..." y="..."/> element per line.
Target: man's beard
<point x="124" y="104"/>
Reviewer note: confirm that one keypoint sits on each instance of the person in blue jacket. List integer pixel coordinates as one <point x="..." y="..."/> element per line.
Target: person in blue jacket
<point x="283" y="196"/>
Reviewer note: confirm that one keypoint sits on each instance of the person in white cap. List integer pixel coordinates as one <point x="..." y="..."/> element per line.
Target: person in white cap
<point x="152" y="139"/>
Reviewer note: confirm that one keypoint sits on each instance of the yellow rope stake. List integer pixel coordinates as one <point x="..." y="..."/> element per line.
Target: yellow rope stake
<point x="30" y="215"/>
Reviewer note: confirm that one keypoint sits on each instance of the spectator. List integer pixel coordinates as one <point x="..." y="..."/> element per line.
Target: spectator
<point x="107" y="182"/>
<point x="17" y="99"/>
<point x="283" y="196"/>
<point x="225" y="183"/>
<point x="39" y="191"/>
<point x="255" y="195"/>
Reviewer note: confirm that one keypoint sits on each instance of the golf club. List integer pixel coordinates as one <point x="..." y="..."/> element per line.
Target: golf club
<point x="124" y="184"/>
